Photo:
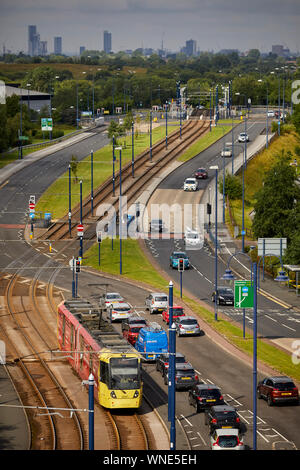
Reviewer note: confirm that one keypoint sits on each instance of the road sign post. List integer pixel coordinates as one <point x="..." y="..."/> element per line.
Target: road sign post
<point x="243" y="294"/>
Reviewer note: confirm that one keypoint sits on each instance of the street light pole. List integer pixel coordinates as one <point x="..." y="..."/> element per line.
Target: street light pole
<point x="132" y="148"/>
<point x="216" y="240"/>
<point x="81" y="236"/>
<point x="254" y="355"/>
<point x="151" y="136"/>
<point x="92" y="182"/>
<point x="166" y="125"/>
<point x="70" y="201"/>
<point x="171" y="374"/>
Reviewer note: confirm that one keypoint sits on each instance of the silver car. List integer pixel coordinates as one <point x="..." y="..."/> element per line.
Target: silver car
<point x="187" y="326"/>
<point x="108" y="299"/>
<point x="156" y="302"/>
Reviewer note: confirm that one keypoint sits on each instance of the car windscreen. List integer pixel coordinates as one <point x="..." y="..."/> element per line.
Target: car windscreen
<point x="228" y="441"/>
<point x="180" y="359"/>
<point x="230" y="415"/>
<point x="179" y="255"/>
<point x="192" y="235"/>
<point x="161" y="299"/>
<point x="225" y="290"/>
<point x="190" y="182"/>
<point x="113" y="296"/>
<point x="138" y="322"/>
<point x="210" y="393"/>
<point x="135" y="329"/>
<point x="185" y="372"/>
<point x="178" y="311"/>
<point x="121" y="309"/>
<point x="189" y="321"/>
<point x="284" y="386"/>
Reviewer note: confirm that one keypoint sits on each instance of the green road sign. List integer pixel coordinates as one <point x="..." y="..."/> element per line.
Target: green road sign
<point x="23" y="137"/>
<point x="243" y="294"/>
<point x="47" y="124"/>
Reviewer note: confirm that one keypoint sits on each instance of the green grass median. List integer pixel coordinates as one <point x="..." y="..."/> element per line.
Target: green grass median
<point x="56" y="197"/>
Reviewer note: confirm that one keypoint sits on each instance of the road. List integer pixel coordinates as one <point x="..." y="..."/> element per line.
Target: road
<point x="276" y="425"/>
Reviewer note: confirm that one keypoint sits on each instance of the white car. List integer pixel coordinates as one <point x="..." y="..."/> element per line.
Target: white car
<point x="270" y="114"/>
<point x="190" y="184"/>
<point x="192" y="239"/>
<point x="226" y="439"/>
<point x="119" y="311"/>
<point x="226" y="152"/>
<point x="243" y="137"/>
<point x="106" y="300"/>
<point x="156" y="302"/>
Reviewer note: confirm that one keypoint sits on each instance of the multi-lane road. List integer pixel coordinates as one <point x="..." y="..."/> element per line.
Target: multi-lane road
<point x="277" y="427"/>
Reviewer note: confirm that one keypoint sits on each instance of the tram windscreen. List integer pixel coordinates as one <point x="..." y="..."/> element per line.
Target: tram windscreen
<point x="124" y="373"/>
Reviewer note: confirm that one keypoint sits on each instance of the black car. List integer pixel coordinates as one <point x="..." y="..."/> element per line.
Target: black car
<point x="156" y="225"/>
<point x="204" y="396"/>
<point x="162" y="362"/>
<point x="222" y="417"/>
<point x="185" y="376"/>
<point x="225" y="296"/>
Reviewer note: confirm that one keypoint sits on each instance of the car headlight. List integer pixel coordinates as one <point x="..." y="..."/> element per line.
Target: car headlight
<point x="113" y="395"/>
<point x="220" y="297"/>
<point x="136" y="394"/>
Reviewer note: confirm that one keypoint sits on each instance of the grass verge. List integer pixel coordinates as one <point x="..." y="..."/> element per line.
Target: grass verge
<point x="205" y="142"/>
<point x="56" y="197"/>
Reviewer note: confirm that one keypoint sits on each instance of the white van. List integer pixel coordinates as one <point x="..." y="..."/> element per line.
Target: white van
<point x="156" y="302"/>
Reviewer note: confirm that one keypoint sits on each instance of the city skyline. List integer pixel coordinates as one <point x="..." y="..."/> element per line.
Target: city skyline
<point x="133" y="24"/>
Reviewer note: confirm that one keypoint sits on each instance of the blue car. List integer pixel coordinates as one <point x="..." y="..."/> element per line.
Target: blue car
<point x="152" y="341"/>
<point x="175" y="256"/>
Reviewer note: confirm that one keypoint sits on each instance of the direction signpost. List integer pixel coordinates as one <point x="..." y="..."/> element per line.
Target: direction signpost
<point x="243" y="294"/>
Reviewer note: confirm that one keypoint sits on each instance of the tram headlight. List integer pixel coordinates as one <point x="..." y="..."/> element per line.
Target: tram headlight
<point x="136" y="394"/>
<point x="113" y="395"/>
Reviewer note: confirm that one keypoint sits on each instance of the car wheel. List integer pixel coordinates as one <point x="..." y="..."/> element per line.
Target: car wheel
<point x="165" y="380"/>
<point x="259" y="395"/>
<point x="269" y="400"/>
<point x="157" y="368"/>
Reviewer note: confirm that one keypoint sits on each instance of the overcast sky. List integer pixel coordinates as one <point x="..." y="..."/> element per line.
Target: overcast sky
<point x="214" y="24"/>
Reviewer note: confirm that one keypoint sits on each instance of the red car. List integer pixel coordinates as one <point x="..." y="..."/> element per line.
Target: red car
<point x="177" y="312"/>
<point x="131" y="328"/>
<point x="278" y="390"/>
<point x="201" y="173"/>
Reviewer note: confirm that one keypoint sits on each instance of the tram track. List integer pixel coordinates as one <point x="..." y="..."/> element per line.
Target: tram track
<point x="130" y="432"/>
<point x="29" y="347"/>
<point x="144" y="171"/>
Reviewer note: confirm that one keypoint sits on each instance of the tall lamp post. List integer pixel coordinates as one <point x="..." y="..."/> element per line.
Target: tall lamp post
<point x="120" y="207"/>
<point x="216" y="168"/>
<point x="171" y="374"/>
<point x="267" y="117"/>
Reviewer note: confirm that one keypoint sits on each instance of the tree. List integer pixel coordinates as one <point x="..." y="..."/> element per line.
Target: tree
<point x="277" y="200"/>
<point x="233" y="186"/>
<point x="74" y="167"/>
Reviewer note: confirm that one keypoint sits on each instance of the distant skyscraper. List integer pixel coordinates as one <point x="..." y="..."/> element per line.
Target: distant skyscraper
<point x="57" y="45"/>
<point x="190" y="47"/>
<point x="107" y="42"/>
<point x="33" y="40"/>
<point x="43" y="48"/>
<point x="81" y="49"/>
